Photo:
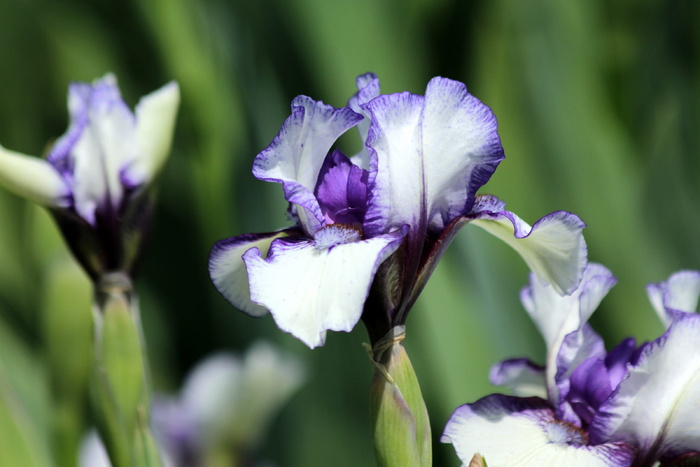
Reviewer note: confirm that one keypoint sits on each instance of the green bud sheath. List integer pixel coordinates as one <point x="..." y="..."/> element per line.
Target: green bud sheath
<point x="120" y="390"/>
<point x="399" y="416"/>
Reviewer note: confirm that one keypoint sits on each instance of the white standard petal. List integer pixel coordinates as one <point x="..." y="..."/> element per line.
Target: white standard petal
<point x="394" y="140"/>
<point x="33" y="178"/>
<point x="106" y="145"/>
<point x="680" y="292"/>
<point x="228" y="272"/>
<point x="155" y="123"/>
<point x="553" y="248"/>
<point x="460" y="147"/>
<point x="432" y="154"/>
<point x="510" y="431"/>
<point x="309" y="289"/>
<point x="658" y="406"/>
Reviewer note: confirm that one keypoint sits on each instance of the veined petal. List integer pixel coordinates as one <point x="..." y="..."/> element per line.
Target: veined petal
<point x="228" y="272"/>
<point x="656" y="407"/>
<point x="155" y="124"/>
<point x="33" y="178"/>
<point x="432" y="155"/>
<point x="680" y="292"/>
<point x="460" y="147"/>
<point x="553" y="247"/>
<point x="105" y="146"/>
<point x="511" y="431"/>
<point x="311" y="288"/>
<point x="294" y="158"/>
<point x="523" y="377"/>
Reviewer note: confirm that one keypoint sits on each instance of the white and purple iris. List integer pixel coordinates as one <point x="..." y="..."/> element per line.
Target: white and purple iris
<point x="630" y="406"/>
<point x="375" y="224"/>
<point x="96" y="176"/>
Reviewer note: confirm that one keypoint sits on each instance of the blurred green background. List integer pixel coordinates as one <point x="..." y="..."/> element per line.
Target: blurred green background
<point x="598" y="103"/>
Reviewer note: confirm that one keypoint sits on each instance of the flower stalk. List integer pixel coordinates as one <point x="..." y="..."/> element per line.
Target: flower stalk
<point x="120" y="385"/>
<point x="399" y="417"/>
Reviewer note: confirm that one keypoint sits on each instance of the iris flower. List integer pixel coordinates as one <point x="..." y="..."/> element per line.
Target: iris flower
<point x="369" y="229"/>
<point x="96" y="177"/>
<point x="630" y="406"/>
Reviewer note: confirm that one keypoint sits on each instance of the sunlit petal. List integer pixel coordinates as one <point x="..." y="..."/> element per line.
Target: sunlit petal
<point x="553" y="247"/>
<point x="314" y="286"/>
<point x="228" y="272"/>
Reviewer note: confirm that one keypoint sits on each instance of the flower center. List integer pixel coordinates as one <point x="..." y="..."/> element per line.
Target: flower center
<point x="336" y="234"/>
<point x="565" y="433"/>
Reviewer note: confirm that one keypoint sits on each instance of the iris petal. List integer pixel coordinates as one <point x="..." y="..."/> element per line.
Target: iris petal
<point x="553" y="247"/>
<point x="656" y="406"/>
<point x="311" y="290"/>
<point x="510" y="431"/>
<point x="228" y="272"/>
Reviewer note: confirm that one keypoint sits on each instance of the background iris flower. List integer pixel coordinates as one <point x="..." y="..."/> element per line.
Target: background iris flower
<point x="630" y="406"/>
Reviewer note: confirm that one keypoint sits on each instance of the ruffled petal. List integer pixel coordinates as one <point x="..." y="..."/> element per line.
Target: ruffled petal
<point x="314" y="286"/>
<point x="295" y="156"/>
<point x="553" y="248"/>
<point x="155" y="124"/>
<point x="432" y="155"/>
<point x="680" y="292"/>
<point x="33" y="178"/>
<point x="656" y="407"/>
<point x="511" y="431"/>
<point x="460" y="147"/>
<point x="523" y="377"/>
<point x="228" y="272"/>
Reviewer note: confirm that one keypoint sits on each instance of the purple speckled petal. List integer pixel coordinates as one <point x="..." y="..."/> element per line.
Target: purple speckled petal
<point x="295" y="156"/>
<point x="553" y="247"/>
<point x="511" y="431"/>
<point x="523" y="377"/>
<point x="656" y="407"/>
<point x="680" y="293"/>
<point x="342" y="190"/>
<point x="228" y="272"/>
<point x="311" y="287"/>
